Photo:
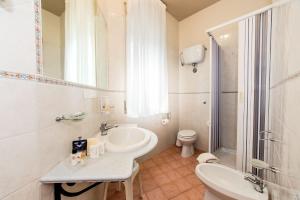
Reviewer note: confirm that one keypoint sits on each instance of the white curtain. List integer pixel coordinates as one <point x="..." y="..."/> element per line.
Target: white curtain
<point x="147" y="85"/>
<point x="80" y="42"/>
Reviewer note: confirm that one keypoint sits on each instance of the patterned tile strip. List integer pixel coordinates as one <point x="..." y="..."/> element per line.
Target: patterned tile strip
<point x="38" y="36"/>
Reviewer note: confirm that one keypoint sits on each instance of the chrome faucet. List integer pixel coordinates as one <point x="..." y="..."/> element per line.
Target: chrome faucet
<point x="104" y="128"/>
<point x="257" y="182"/>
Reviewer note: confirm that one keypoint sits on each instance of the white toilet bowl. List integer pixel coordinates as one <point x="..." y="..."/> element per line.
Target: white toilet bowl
<point x="186" y="139"/>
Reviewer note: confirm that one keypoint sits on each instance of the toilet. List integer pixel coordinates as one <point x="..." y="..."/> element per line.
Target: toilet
<point x="186" y="139"/>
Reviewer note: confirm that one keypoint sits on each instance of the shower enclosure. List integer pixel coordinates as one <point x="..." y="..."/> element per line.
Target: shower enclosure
<point x="255" y="59"/>
<point x="224" y="87"/>
<point x="240" y="55"/>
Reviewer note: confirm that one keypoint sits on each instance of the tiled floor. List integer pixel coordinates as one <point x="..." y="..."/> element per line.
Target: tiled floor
<point x="166" y="176"/>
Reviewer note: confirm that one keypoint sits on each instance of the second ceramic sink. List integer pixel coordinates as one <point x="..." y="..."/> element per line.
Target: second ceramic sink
<point x="126" y="139"/>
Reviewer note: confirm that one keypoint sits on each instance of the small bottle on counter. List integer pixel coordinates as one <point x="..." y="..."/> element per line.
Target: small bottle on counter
<point x="79" y="151"/>
<point x="74" y="158"/>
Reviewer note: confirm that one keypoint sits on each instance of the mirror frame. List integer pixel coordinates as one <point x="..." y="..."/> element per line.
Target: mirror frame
<point x="39" y="76"/>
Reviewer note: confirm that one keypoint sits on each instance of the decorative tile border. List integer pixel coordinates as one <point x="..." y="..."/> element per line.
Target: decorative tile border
<point x="13" y="75"/>
<point x="38" y="36"/>
<point x="49" y="80"/>
<point x="41" y="79"/>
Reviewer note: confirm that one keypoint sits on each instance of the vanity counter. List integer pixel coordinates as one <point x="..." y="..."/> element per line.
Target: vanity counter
<point x="108" y="167"/>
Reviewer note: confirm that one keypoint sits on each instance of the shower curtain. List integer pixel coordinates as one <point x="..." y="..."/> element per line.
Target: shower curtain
<point x="214" y="136"/>
<point x="253" y="87"/>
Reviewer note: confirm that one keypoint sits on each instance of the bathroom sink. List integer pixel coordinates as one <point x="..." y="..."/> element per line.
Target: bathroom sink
<point x="225" y="183"/>
<point x="126" y="139"/>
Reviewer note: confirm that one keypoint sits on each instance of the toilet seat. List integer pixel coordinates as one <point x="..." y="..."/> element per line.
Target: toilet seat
<point x="186" y="134"/>
<point x="186" y="139"/>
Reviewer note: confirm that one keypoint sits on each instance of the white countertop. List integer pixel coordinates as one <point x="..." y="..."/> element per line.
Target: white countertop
<point x="108" y="167"/>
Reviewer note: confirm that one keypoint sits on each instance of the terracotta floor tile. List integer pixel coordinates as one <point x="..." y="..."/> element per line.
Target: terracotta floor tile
<point x="158" y="161"/>
<point x="154" y="171"/>
<point x="191" y="159"/>
<point x="175" y="164"/>
<point x="193" y="180"/>
<point x="167" y="175"/>
<point x="171" y="150"/>
<point x="148" y="164"/>
<point x="161" y="179"/>
<point x="165" y="168"/>
<point x="168" y="159"/>
<point x="149" y="184"/>
<point x="144" y="197"/>
<point x="186" y="161"/>
<point x="156" y="156"/>
<point x="156" y="194"/>
<point x="184" y="171"/>
<point x="177" y="156"/>
<point x="181" y="197"/>
<point x="173" y="175"/>
<point x="165" y="153"/>
<point x="145" y="174"/>
<point x="195" y="193"/>
<point x="191" y="168"/>
<point x="182" y="184"/>
<point x="170" y="190"/>
<point x="117" y="196"/>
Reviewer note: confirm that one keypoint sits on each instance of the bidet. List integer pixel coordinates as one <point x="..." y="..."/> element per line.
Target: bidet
<point x="224" y="183"/>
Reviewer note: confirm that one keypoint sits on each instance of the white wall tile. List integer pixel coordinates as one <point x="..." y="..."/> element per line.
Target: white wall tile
<point x="195" y="115"/>
<point x="20" y="162"/>
<point x="19" y="107"/>
<point x="228" y="122"/>
<point x="28" y="192"/>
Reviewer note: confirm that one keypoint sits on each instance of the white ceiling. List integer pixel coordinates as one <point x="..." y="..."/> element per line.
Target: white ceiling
<point x="181" y="9"/>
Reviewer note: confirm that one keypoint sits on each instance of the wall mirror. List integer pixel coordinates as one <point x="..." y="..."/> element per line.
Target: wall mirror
<point x="74" y="42"/>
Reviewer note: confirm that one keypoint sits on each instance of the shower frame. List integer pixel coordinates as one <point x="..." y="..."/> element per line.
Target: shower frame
<point x="253" y="149"/>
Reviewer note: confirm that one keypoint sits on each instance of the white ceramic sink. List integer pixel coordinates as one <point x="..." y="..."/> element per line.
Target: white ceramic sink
<point x="126" y="139"/>
<point x="230" y="183"/>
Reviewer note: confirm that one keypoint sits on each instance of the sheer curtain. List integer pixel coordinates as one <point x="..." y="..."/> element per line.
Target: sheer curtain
<point x="80" y="41"/>
<point x="147" y="85"/>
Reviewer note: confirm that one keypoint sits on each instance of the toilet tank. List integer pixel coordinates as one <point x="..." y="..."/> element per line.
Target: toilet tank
<point x="192" y="55"/>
